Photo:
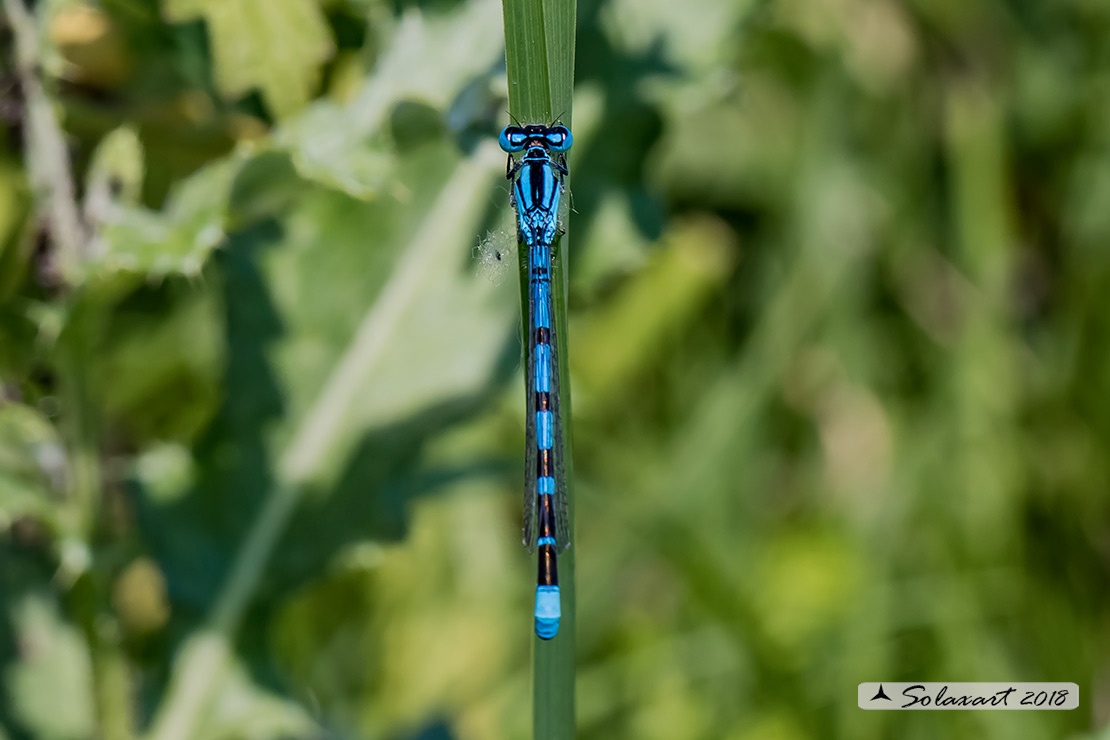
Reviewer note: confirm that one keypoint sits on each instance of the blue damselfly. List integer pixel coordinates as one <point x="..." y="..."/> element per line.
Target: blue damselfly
<point x="537" y="188"/>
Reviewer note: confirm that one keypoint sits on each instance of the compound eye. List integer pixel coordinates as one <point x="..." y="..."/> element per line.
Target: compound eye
<point x="512" y="139"/>
<point x="558" y="138"/>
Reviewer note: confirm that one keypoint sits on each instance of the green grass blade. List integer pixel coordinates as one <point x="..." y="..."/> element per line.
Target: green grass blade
<point x="539" y="54"/>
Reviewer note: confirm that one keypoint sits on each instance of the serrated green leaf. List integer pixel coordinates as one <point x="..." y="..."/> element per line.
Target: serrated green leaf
<point x="326" y="146"/>
<point x="137" y="243"/>
<point x="430" y="58"/>
<point x="276" y="46"/>
<point x="303" y="293"/>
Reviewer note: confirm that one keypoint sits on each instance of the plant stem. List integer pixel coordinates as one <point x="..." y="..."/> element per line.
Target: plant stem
<point x="539" y="57"/>
<point x="47" y="158"/>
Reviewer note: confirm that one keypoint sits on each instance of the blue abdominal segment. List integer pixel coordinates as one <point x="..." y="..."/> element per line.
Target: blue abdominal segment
<point x="548" y="611"/>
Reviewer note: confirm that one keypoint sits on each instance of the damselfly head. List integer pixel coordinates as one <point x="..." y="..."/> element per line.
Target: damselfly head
<point x="554" y="138"/>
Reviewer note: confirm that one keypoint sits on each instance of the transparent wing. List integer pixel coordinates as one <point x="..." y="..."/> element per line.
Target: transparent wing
<point x="530" y="454"/>
<point x="495" y="254"/>
<point x="562" y="515"/>
<point x="562" y="523"/>
<point x="566" y="207"/>
<point x="562" y="519"/>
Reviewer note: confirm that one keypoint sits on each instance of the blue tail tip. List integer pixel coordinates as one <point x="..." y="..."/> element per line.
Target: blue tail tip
<point x="548" y="612"/>
<point x="546" y="628"/>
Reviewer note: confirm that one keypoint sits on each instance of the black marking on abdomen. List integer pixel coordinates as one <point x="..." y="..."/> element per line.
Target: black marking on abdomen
<point x="547" y="515"/>
<point x="548" y="573"/>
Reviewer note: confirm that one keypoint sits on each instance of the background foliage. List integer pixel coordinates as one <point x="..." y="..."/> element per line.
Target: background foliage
<point x="838" y="358"/>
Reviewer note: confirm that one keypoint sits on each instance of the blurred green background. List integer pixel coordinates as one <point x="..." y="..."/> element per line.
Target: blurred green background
<point x="839" y="358"/>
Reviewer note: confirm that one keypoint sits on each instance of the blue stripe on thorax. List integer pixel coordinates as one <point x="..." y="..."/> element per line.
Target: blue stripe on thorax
<point x="537" y="194"/>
